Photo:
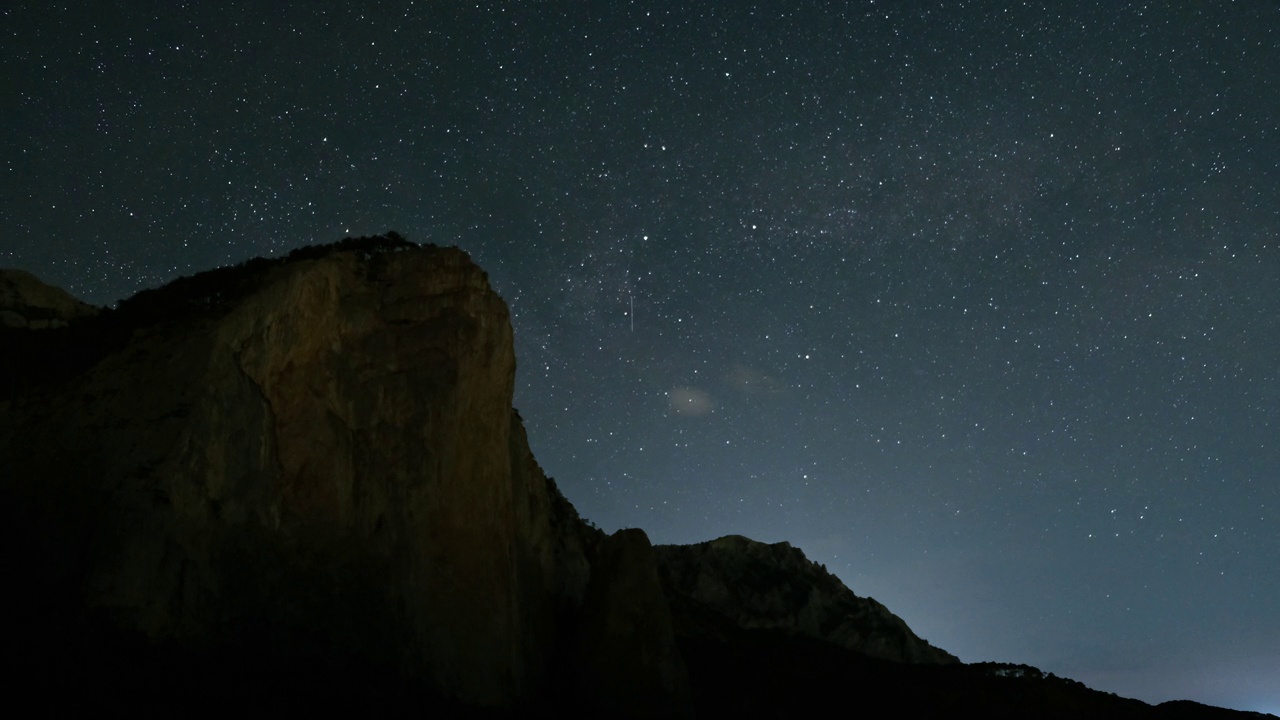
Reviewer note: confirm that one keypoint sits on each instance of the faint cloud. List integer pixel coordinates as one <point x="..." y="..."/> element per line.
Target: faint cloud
<point x="690" y="401"/>
<point x="749" y="380"/>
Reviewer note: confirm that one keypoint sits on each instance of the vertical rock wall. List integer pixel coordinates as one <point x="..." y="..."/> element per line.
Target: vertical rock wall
<point x="311" y="468"/>
<point x="326" y="465"/>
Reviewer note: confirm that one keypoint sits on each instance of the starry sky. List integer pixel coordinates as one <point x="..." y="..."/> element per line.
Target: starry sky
<point x="978" y="303"/>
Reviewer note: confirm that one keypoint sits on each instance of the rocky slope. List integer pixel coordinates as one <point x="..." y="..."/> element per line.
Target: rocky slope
<point x="26" y="302"/>
<point x="776" y="587"/>
<point x="299" y="484"/>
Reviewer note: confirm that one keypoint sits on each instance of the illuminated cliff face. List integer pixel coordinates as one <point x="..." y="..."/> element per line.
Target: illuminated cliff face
<point x="333" y="452"/>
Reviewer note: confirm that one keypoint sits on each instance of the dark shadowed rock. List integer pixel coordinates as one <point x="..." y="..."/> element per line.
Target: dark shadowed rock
<point x="760" y="586"/>
<point x="629" y="665"/>
<point x="1188" y="710"/>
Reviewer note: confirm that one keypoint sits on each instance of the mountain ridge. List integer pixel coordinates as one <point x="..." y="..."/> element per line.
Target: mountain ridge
<point x="314" y="460"/>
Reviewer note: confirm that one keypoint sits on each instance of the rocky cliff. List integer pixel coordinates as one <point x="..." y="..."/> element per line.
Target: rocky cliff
<point x="299" y="484"/>
<point x="318" y="454"/>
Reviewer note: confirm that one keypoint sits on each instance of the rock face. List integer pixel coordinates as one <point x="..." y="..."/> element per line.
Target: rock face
<point x="299" y="483"/>
<point x="759" y="586"/>
<point x="25" y="302"/>
<point x="330" y="461"/>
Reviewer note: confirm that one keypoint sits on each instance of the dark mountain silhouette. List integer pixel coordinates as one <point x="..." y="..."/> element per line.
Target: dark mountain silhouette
<point x="298" y="484"/>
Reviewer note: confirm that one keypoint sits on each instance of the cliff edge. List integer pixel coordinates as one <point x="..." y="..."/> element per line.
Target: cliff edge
<point x="314" y="460"/>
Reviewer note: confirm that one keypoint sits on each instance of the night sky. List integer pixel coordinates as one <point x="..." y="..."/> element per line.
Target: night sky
<point x="977" y="303"/>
